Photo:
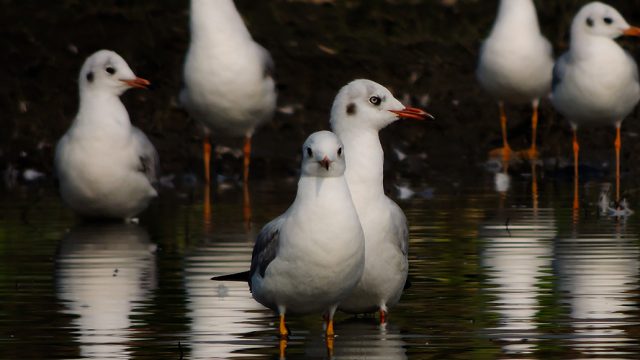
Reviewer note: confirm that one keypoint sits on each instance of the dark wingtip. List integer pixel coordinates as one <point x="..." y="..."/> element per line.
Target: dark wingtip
<point x="242" y="276"/>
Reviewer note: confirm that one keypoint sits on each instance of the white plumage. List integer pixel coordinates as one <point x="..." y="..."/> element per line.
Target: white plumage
<point x="106" y="166"/>
<point x="596" y="81"/>
<point x="516" y="62"/>
<point x="228" y="77"/>
<point x="310" y="258"/>
<point x="359" y="111"/>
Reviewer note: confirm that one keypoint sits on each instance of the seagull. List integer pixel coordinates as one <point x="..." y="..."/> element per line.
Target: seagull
<point x="360" y="110"/>
<point x="106" y="167"/>
<point x="228" y="77"/>
<point x="596" y="81"/>
<point x="515" y="65"/>
<point x="311" y="257"/>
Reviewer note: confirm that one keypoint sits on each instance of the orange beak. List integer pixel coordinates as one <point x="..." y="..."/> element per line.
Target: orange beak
<point x="325" y="163"/>
<point x="139" y="83"/>
<point x="412" y="113"/>
<point x="632" y="31"/>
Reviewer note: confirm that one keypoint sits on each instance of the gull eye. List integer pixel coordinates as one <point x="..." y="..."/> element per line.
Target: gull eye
<point x="589" y="22"/>
<point x="340" y="152"/>
<point x="309" y="152"/>
<point x="608" y="20"/>
<point x="375" y="100"/>
<point x="110" y="70"/>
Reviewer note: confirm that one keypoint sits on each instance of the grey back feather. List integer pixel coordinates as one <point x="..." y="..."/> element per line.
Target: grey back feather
<point x="559" y="70"/>
<point x="149" y="159"/>
<point x="266" y="247"/>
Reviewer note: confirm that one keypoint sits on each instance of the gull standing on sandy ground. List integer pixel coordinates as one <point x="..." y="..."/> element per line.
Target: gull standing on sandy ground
<point x="228" y="77"/>
<point x="106" y="166"/>
<point x="596" y="81"/>
<point x="360" y="110"/>
<point x="515" y="65"/>
<point x="311" y="257"/>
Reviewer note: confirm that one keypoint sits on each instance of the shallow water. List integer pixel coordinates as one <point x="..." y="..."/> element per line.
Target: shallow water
<point x="494" y="275"/>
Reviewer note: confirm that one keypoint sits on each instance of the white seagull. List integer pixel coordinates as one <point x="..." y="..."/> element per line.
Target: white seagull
<point x="228" y="77"/>
<point x="360" y="110"/>
<point x="311" y="257"/>
<point x="596" y="81"/>
<point x="515" y="65"/>
<point x="106" y="166"/>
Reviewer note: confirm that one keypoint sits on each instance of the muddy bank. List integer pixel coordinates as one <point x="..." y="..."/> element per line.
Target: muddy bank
<point x="425" y="51"/>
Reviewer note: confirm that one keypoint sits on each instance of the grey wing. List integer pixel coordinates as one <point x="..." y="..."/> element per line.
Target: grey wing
<point x="266" y="247"/>
<point x="559" y="69"/>
<point x="149" y="159"/>
<point x="400" y="228"/>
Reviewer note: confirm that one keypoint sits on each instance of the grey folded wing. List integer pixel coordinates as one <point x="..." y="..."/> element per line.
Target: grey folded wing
<point x="400" y="228"/>
<point x="149" y="159"/>
<point x="266" y="247"/>
<point x="559" y="69"/>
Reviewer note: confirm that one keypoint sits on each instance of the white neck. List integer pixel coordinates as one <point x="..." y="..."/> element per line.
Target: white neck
<point x="216" y="21"/>
<point x="588" y="46"/>
<point x="515" y="18"/>
<point x="100" y="110"/>
<point x="365" y="161"/>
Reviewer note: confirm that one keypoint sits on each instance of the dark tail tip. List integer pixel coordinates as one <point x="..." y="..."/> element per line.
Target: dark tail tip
<point x="242" y="276"/>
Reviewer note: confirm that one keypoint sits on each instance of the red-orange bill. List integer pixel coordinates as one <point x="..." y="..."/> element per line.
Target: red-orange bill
<point x="139" y="83"/>
<point x="632" y="31"/>
<point x="412" y="113"/>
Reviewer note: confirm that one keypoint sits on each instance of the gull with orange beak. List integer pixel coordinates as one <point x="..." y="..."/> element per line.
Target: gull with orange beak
<point x="360" y="110"/>
<point x="107" y="167"/>
<point x="596" y="81"/>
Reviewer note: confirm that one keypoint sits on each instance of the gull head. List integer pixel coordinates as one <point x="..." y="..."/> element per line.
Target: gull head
<point x="602" y="20"/>
<point x="323" y="155"/>
<point x="107" y="71"/>
<point x="364" y="104"/>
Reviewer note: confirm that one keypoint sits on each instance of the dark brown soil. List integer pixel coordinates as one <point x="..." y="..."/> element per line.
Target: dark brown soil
<point x="423" y="50"/>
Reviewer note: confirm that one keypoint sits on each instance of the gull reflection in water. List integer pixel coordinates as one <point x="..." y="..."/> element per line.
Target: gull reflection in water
<point x="517" y="255"/>
<point x="104" y="274"/>
<point x="223" y="314"/>
<point x="597" y="270"/>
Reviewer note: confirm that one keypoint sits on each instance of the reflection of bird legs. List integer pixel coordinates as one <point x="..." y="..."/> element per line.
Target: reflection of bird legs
<point x="283" y="347"/>
<point x="246" y="205"/>
<point x="534" y="186"/>
<point x="246" y="150"/>
<point x="576" y="150"/>
<point x="206" y="156"/>
<point x="532" y="152"/>
<point x="206" y="208"/>
<point x="618" y="145"/>
<point x="505" y="150"/>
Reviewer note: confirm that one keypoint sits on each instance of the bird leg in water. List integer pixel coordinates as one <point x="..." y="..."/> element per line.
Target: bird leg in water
<point x="247" y="158"/>
<point x="284" y="332"/>
<point x="283" y="347"/>
<point x="532" y="152"/>
<point x="505" y="151"/>
<point x="383" y="317"/>
<point x="206" y="156"/>
<point x="576" y="151"/>
<point x="618" y="145"/>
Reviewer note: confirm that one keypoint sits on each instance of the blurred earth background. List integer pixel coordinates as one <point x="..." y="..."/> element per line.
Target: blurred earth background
<point x="424" y="51"/>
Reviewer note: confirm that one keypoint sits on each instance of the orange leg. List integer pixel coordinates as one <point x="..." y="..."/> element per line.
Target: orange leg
<point x="283" y="347"/>
<point x="532" y="153"/>
<point x="505" y="151"/>
<point x="206" y="156"/>
<point x="383" y="316"/>
<point x="246" y="205"/>
<point x="329" y="332"/>
<point x="576" y="150"/>
<point x="618" y="145"/>
<point x="207" y="209"/>
<point x="247" y="157"/>
<point x="284" y="333"/>
<point x="330" y="341"/>
<point x="534" y="186"/>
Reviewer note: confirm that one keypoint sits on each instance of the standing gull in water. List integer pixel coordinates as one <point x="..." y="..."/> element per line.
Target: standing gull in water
<point x="309" y="259"/>
<point x="106" y="166"/>
<point x="360" y="110"/>
<point x="516" y="64"/>
<point x="228" y="77"/>
<point x="596" y="81"/>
